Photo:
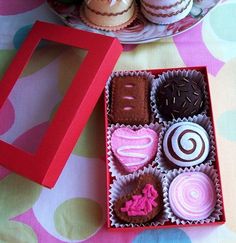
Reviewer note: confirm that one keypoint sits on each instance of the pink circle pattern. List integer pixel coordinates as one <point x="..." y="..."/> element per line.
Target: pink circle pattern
<point x="187" y="51"/>
<point x="7" y="117"/>
<point x="30" y="140"/>
<point x="12" y="7"/>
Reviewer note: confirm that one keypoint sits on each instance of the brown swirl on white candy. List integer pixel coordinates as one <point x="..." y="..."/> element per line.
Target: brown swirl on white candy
<point x="186" y="144"/>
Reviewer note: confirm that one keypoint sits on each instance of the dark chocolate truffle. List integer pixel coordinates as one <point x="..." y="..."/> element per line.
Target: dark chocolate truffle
<point x="180" y="97"/>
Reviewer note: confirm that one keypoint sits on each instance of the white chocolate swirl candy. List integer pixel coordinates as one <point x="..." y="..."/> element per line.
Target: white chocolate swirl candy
<point x="132" y="148"/>
<point x="186" y="144"/>
<point x="192" y="196"/>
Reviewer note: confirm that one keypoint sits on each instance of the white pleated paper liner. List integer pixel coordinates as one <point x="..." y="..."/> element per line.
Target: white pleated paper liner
<point x="125" y="185"/>
<point x="213" y="175"/>
<point x="162" y="161"/>
<point x="115" y="167"/>
<point x="162" y="78"/>
<point x="149" y="76"/>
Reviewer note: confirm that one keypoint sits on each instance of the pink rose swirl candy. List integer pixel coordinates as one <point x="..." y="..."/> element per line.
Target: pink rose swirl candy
<point x="134" y="149"/>
<point x="192" y="196"/>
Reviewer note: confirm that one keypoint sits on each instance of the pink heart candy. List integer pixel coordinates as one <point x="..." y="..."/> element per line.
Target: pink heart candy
<point x="134" y="149"/>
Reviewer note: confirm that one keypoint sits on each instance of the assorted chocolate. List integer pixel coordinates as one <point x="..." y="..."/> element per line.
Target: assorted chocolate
<point x="199" y="198"/>
<point x="134" y="148"/>
<point x="130" y="100"/>
<point x="180" y="97"/>
<point x="177" y="102"/>
<point x="143" y="204"/>
<point x="186" y="144"/>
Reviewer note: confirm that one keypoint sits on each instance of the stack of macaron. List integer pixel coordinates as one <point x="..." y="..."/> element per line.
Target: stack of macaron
<point x="160" y="139"/>
<point x="113" y="15"/>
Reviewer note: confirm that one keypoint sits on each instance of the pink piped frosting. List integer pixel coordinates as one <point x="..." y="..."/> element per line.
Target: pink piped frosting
<point x="142" y="204"/>
<point x="134" y="149"/>
<point x="192" y="196"/>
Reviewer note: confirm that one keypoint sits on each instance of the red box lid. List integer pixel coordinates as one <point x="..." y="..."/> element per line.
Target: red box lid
<point x="46" y="164"/>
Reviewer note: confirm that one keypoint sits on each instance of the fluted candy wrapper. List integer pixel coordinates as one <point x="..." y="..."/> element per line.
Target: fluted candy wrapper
<point x="201" y="149"/>
<point x="192" y="78"/>
<point x="193" y="195"/>
<point x="108" y="96"/>
<point x="125" y="185"/>
<point x="115" y="166"/>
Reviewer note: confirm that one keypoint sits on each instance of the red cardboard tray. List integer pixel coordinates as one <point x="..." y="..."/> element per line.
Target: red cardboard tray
<point x="110" y="178"/>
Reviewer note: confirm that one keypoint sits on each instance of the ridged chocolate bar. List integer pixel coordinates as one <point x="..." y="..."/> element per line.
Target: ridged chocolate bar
<point x="130" y="100"/>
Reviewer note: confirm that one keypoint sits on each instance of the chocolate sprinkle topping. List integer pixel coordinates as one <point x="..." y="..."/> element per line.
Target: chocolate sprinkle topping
<point x="196" y="102"/>
<point x="193" y="112"/>
<point x="173" y="87"/>
<point x="194" y="88"/>
<point x="180" y="97"/>
<point x="189" y="99"/>
<point x="180" y="85"/>
<point x="175" y="111"/>
<point x="166" y="86"/>
<point x="186" y="80"/>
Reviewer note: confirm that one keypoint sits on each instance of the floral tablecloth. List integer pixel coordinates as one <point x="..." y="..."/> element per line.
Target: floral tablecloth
<point x="74" y="210"/>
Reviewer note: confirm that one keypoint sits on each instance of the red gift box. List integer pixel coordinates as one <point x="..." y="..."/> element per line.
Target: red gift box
<point x="110" y="178"/>
<point x="46" y="164"/>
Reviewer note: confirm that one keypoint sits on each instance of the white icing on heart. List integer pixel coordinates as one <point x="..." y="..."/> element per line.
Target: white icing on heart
<point x="123" y="150"/>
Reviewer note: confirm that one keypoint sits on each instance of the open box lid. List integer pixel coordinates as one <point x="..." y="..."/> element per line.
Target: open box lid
<point x="46" y="164"/>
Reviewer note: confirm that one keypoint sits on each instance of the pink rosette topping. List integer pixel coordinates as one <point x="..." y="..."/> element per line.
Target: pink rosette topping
<point x="192" y="196"/>
<point x="141" y="205"/>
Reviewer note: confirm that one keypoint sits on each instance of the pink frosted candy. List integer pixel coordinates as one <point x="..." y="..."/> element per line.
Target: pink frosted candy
<point x="192" y="196"/>
<point x="134" y="149"/>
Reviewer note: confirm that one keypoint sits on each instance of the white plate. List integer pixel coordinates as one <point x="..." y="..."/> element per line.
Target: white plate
<point x="141" y="30"/>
